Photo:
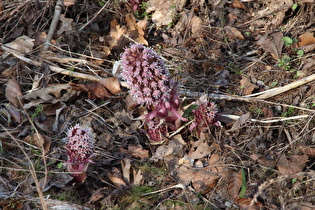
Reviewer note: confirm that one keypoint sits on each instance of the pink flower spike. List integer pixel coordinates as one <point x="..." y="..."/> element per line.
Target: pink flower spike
<point x="79" y="147"/>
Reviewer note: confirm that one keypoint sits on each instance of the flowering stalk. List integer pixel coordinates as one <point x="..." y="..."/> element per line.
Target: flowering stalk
<point x="205" y="116"/>
<point x="150" y="84"/>
<point x="80" y="147"/>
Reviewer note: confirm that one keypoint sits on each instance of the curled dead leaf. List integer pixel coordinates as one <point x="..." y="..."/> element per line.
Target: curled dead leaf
<point x="237" y="4"/>
<point x="196" y="26"/>
<point x="112" y="84"/>
<point x="247" y="87"/>
<point x="233" y="33"/>
<point x="272" y="42"/>
<point x="94" y="90"/>
<point x="306" y="39"/>
<point x="23" y="44"/>
<point x="117" y="181"/>
<point x="204" y="181"/>
<point x="13" y="93"/>
<point x="234" y="180"/>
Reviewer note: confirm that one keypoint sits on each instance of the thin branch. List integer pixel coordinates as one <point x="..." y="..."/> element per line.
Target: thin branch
<point x="54" y="22"/>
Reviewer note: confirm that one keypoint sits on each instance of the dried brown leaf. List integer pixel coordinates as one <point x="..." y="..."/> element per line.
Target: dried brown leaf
<point x="23" y="44"/>
<point x="116" y="36"/>
<point x="199" y="150"/>
<point x="137" y="177"/>
<point x="164" y="10"/>
<point x="233" y="33"/>
<point x="112" y="84"/>
<point x="14" y="112"/>
<point x="196" y="26"/>
<point x="204" y="181"/>
<point x="310" y="152"/>
<point x="52" y="93"/>
<point x="307" y="48"/>
<point x="136" y="151"/>
<point x="238" y="4"/>
<point x="136" y="29"/>
<point x="126" y="169"/>
<point x="294" y="165"/>
<point x="244" y="203"/>
<point x="272" y="42"/>
<point x="234" y="180"/>
<point x="94" y="90"/>
<point x="13" y="93"/>
<point x="306" y="39"/>
<point x="247" y="87"/>
<point x="116" y="178"/>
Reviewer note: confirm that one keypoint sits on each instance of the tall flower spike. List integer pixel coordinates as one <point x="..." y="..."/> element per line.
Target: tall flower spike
<point x="80" y="147"/>
<point x="146" y="75"/>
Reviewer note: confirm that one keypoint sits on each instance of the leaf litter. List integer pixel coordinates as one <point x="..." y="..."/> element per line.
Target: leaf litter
<point x="260" y="157"/>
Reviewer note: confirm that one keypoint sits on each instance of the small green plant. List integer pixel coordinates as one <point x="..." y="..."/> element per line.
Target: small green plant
<point x="102" y="2"/>
<point x="294" y="6"/>
<point x="284" y="62"/>
<point x="288" y="113"/>
<point x="141" y="13"/>
<point x="38" y="110"/>
<point x="287" y="41"/>
<point x="300" y="53"/>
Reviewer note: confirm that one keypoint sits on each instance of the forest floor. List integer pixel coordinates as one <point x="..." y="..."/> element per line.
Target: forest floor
<point x="254" y="59"/>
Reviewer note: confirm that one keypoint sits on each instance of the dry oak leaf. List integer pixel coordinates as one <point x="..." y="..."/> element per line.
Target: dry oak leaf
<point x="52" y="94"/>
<point x="204" y="181"/>
<point x="22" y="44"/>
<point x="94" y="90"/>
<point x="247" y="87"/>
<point x="272" y="42"/>
<point x="199" y="149"/>
<point x="238" y="4"/>
<point x="234" y="180"/>
<point x="233" y="33"/>
<point x="116" y="36"/>
<point x="164" y="10"/>
<point x="13" y="93"/>
<point x="136" y="151"/>
<point x="293" y="165"/>
<point x="306" y="39"/>
<point x="66" y="25"/>
<point x="136" y="29"/>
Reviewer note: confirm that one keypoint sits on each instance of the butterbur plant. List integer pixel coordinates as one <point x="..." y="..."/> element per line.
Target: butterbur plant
<point x="150" y="83"/>
<point x="205" y="115"/>
<point x="79" y="147"/>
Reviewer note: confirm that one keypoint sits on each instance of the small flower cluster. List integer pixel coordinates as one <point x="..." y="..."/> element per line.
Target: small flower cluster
<point x="205" y="116"/>
<point x="79" y="147"/>
<point x="135" y="4"/>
